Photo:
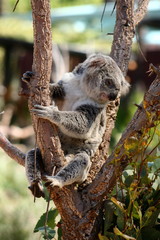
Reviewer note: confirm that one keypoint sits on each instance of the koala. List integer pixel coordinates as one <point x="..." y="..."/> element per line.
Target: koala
<point x="79" y="111"/>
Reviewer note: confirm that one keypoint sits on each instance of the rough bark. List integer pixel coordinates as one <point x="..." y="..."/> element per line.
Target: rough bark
<point x="80" y="209"/>
<point x="123" y="34"/>
<point x="140" y="11"/>
<point x="46" y="134"/>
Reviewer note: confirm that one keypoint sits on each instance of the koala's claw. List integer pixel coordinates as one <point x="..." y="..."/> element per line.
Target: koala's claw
<point x="36" y="189"/>
<point x="27" y="76"/>
<point x="45" y="112"/>
<point x="40" y="111"/>
<point x="53" y="181"/>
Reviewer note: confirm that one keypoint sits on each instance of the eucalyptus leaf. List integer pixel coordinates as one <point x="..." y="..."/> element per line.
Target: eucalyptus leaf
<point x="52" y="214"/>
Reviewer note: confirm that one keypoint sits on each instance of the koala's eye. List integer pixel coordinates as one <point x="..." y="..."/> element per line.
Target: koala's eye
<point x="109" y="83"/>
<point x="79" y="69"/>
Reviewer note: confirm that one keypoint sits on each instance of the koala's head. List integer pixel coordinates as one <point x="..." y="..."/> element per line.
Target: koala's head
<point x="101" y="78"/>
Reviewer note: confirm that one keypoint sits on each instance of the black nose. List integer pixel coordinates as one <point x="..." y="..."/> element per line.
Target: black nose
<point x="112" y="96"/>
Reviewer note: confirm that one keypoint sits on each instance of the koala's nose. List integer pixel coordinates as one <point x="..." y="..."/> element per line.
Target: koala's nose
<point x="112" y="96"/>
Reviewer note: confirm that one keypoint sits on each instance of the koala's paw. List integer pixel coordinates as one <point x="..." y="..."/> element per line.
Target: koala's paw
<point x="37" y="189"/>
<point x="53" y="181"/>
<point x="45" y="112"/>
<point x="27" y="76"/>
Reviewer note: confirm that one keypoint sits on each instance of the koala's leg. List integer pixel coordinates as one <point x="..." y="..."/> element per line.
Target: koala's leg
<point x="75" y="171"/>
<point x="34" y="172"/>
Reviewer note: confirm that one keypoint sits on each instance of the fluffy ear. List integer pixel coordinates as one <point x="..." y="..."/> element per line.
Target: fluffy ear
<point x="124" y="87"/>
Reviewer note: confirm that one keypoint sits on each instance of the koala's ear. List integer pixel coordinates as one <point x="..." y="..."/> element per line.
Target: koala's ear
<point x="125" y="86"/>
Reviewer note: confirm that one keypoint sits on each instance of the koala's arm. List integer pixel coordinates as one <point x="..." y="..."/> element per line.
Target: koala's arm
<point x="72" y="123"/>
<point x="56" y="89"/>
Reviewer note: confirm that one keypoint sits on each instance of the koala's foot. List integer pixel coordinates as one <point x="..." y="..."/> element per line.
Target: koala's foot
<point x="27" y="76"/>
<point x="33" y="172"/>
<point x="76" y="171"/>
<point x="53" y="181"/>
<point x="37" y="189"/>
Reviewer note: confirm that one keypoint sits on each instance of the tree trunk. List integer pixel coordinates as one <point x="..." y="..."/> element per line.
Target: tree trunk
<point x="46" y="134"/>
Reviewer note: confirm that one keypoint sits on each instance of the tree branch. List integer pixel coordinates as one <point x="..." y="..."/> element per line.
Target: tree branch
<point x="123" y="34"/>
<point x="140" y="12"/>
<point x="11" y="150"/>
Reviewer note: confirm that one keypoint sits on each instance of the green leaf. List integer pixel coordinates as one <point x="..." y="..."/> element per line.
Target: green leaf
<point x="156" y="165"/>
<point x="120" y="219"/>
<point x="136" y="212"/>
<point x="119" y="233"/>
<point x="101" y="237"/>
<point x="52" y="214"/>
<point x="150" y="216"/>
<point x="47" y="232"/>
<point x="59" y="233"/>
<point x="158" y="132"/>
<point x="158" y="152"/>
<point x="108" y="215"/>
<point x="118" y="204"/>
<point x="129" y="180"/>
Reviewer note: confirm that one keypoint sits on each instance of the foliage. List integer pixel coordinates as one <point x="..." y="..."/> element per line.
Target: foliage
<point x="133" y="209"/>
<point x="47" y="225"/>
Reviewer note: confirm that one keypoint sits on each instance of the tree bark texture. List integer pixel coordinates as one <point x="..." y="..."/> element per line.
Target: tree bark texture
<point x="80" y="209"/>
<point x="46" y="134"/>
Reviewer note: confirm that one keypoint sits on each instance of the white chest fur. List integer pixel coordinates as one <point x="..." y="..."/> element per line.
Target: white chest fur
<point x="74" y="94"/>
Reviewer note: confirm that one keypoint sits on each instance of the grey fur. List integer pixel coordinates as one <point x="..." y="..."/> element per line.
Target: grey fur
<point x="79" y="111"/>
<point x="34" y="172"/>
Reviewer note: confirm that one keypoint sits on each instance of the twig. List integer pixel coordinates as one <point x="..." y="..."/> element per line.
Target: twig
<point x="103" y="15"/>
<point x="47" y="210"/>
<point x="153" y="149"/>
<point x="141" y="10"/>
<point x="114" y="7"/>
<point x="15" y="5"/>
<point x="139" y="46"/>
<point x="48" y="203"/>
<point x="153" y="69"/>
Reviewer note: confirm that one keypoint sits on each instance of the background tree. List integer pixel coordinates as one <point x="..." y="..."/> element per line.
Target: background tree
<point x="81" y="209"/>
